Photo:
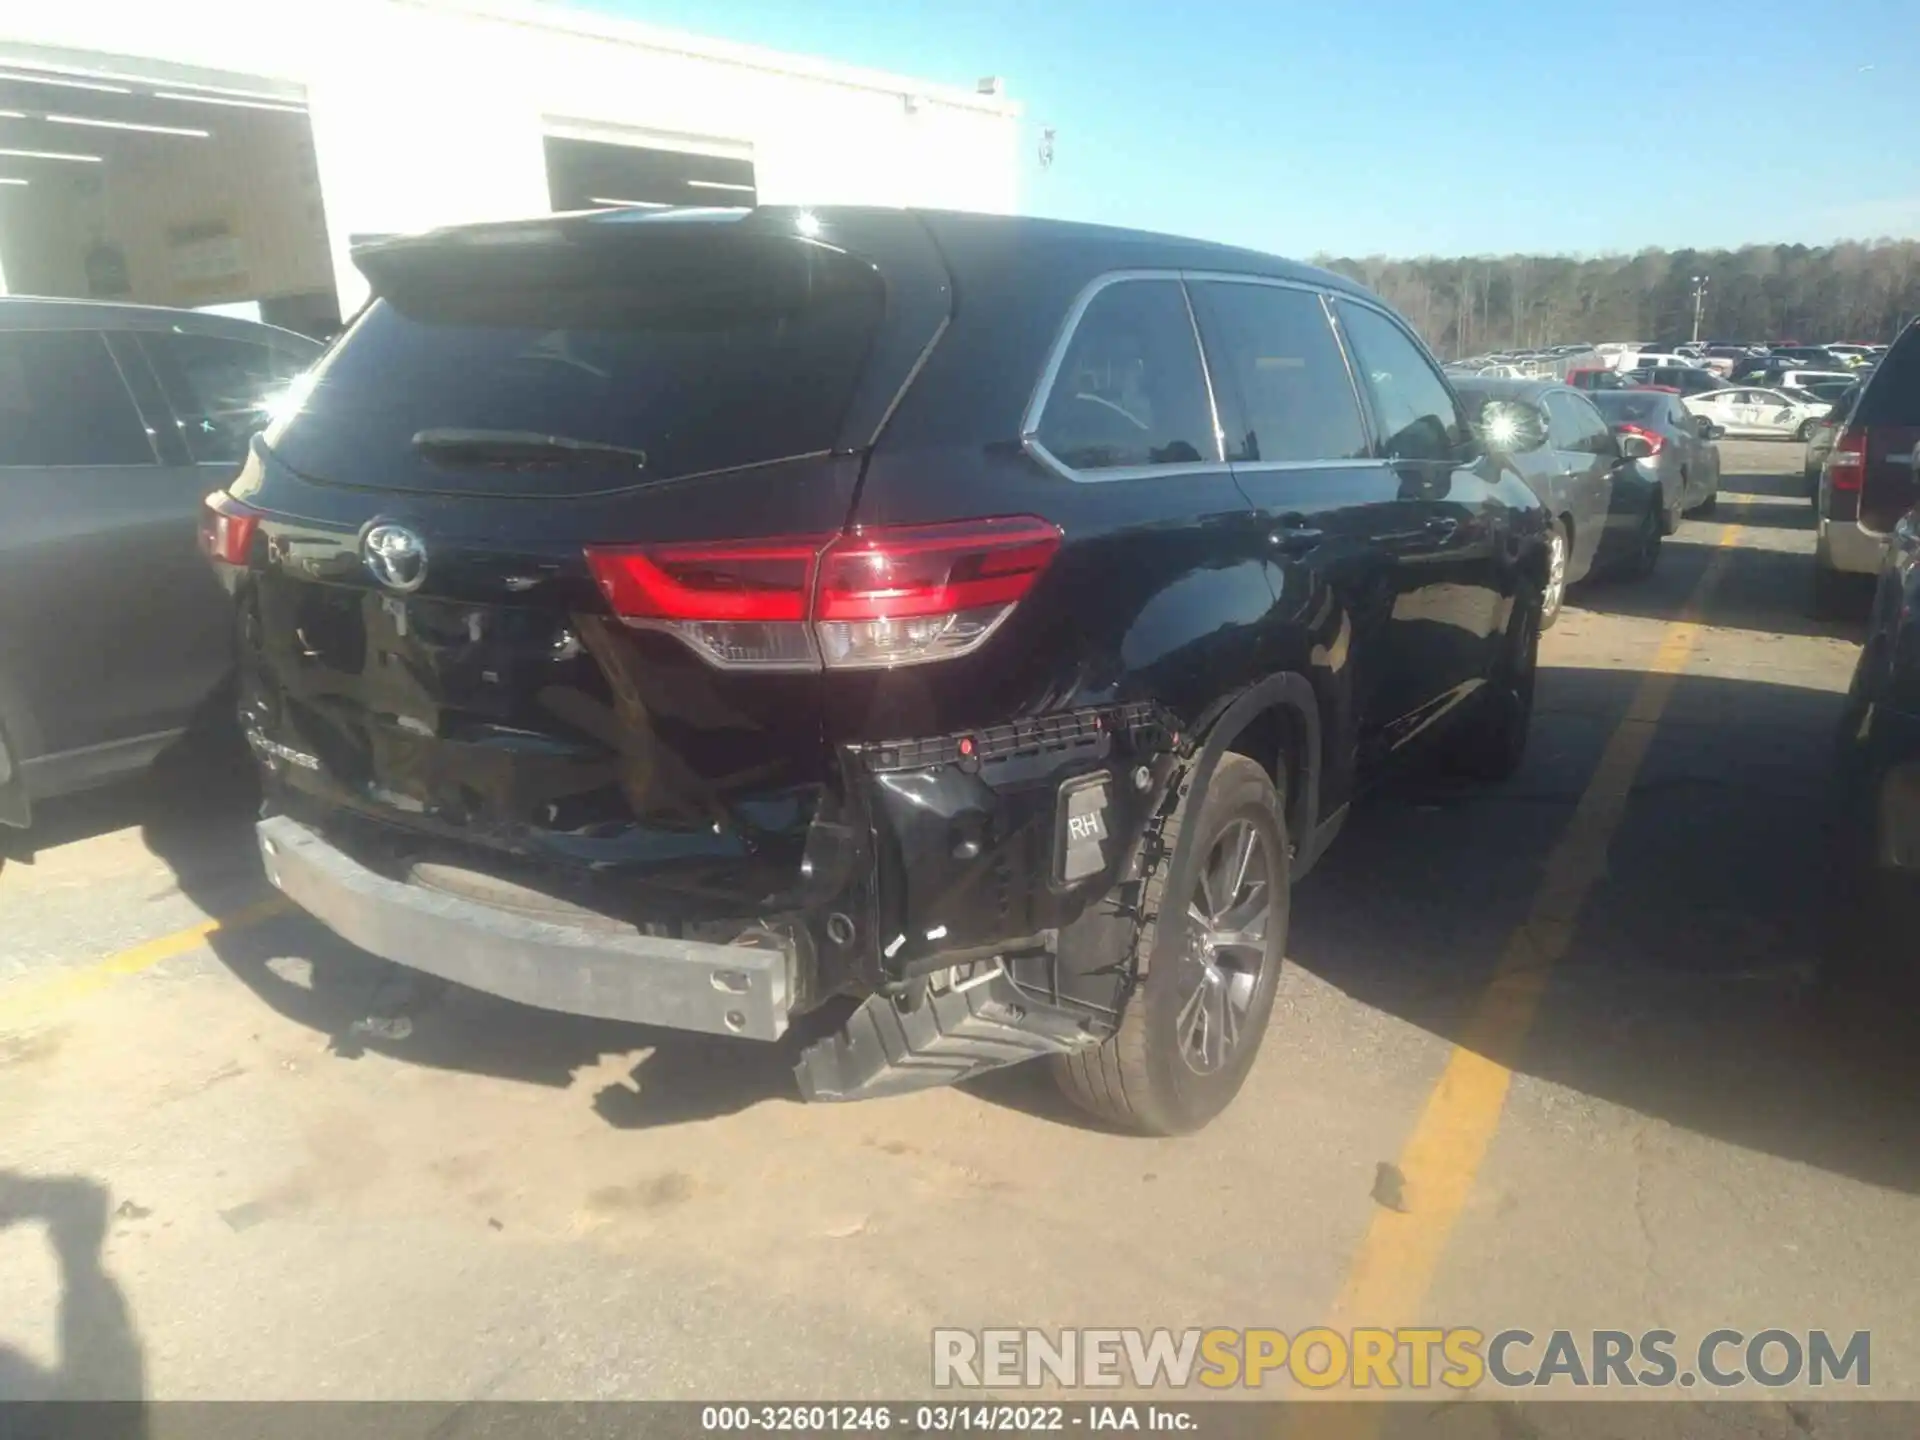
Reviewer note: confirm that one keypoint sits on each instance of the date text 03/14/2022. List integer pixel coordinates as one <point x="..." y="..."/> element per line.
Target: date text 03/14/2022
<point x="936" y="1419"/>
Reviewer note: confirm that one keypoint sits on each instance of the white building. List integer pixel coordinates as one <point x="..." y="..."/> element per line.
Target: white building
<point x="224" y="152"/>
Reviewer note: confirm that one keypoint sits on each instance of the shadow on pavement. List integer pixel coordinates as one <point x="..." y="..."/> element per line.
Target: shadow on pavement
<point x="100" y="1354"/>
<point x="1688" y="993"/>
<point x="196" y="812"/>
<point x="1761" y="589"/>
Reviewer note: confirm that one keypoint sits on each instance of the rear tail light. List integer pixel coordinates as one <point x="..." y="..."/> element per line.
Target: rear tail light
<point x="869" y="600"/>
<point x="1656" y="442"/>
<point x="227" y="528"/>
<point x="1847" y="461"/>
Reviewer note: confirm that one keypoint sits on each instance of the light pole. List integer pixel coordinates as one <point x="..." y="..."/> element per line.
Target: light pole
<point x="1699" y="303"/>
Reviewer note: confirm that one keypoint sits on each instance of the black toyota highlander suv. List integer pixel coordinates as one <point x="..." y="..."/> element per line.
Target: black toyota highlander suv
<point x="947" y="636"/>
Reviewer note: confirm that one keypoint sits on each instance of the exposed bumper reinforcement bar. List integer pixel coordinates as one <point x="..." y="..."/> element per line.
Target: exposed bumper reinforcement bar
<point x="950" y="1035"/>
<point x="651" y="980"/>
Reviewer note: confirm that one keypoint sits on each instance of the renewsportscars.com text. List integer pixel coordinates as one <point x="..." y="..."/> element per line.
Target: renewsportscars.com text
<point x="1414" y="1358"/>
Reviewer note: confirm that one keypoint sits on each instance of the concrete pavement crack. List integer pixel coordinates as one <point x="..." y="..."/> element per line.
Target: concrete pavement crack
<point x="1636" y="1147"/>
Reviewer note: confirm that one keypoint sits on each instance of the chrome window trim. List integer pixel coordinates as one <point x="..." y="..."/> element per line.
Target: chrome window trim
<point x="1050" y="372"/>
<point x="1206" y="374"/>
<point x="1369" y="422"/>
<point x="1120" y="472"/>
<point x="1269" y="467"/>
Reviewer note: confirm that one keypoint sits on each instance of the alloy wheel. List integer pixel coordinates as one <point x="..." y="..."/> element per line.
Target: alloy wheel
<point x="1556" y="573"/>
<point x="1228" y="916"/>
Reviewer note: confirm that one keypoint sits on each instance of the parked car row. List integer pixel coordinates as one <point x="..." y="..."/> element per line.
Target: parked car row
<point x="1549" y="363"/>
<point x="115" y="421"/>
<point x="1868" y="521"/>
<point x="1601" y="485"/>
<point x="1860" y="463"/>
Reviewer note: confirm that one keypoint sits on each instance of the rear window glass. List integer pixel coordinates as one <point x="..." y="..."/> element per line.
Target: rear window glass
<point x="1892" y="396"/>
<point x="701" y="362"/>
<point x="1628" y="407"/>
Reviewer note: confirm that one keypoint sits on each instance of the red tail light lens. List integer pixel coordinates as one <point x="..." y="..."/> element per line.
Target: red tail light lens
<point x="901" y="596"/>
<point x="875" y="599"/>
<point x="762" y="580"/>
<point x="227" y="528"/>
<point x="1847" y="461"/>
<point x="1655" y="440"/>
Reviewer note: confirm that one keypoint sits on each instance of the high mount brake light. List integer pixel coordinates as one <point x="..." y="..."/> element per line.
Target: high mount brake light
<point x="872" y="599"/>
<point x="227" y="528"/>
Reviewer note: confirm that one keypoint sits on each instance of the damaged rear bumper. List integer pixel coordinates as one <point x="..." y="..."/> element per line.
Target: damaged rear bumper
<point x="648" y="979"/>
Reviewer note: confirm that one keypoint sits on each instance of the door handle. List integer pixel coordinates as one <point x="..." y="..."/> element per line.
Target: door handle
<point x="1294" y="536"/>
<point x="1442" y="526"/>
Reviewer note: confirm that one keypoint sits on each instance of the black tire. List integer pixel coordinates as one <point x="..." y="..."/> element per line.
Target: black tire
<point x="1646" y="542"/>
<point x="1494" y="742"/>
<point x="1805" y="432"/>
<point x="1141" y="1078"/>
<point x="1708" y="505"/>
<point x="1670" y="519"/>
<point x="1866" y="969"/>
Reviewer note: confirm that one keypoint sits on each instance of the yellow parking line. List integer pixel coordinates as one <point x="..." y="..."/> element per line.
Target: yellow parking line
<point x="34" y="1000"/>
<point x="1394" y="1266"/>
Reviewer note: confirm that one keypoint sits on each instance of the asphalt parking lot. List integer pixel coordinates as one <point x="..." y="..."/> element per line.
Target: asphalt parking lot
<point x="1575" y="1013"/>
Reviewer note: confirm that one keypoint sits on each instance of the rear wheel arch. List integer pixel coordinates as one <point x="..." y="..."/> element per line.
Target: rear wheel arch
<point x="1276" y="723"/>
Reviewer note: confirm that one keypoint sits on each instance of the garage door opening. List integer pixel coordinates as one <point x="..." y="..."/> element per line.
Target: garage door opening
<point x="114" y="187"/>
<point x="593" y="174"/>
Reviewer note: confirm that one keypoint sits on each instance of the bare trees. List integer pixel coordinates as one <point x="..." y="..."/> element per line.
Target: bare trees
<point x="1855" y="290"/>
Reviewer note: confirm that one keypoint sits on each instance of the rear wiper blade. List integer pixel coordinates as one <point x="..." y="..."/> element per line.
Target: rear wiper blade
<point x="523" y="445"/>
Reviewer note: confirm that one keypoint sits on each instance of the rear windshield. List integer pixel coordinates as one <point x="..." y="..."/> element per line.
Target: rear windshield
<point x="1630" y="407"/>
<point x="1892" y="396"/>
<point x="702" y="362"/>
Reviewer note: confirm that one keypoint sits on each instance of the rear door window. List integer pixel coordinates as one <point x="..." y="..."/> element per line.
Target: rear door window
<point x="1594" y="435"/>
<point x="1284" y="390"/>
<point x="1130" y="390"/>
<point x="1564" y="429"/>
<point x="63" y="403"/>
<point x="1416" y="412"/>
<point x="218" y="387"/>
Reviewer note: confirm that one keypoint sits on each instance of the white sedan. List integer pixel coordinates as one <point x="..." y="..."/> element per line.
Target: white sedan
<point x="1765" y="413"/>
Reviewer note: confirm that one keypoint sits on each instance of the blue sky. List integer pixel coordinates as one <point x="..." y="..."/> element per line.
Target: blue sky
<point x="1402" y="127"/>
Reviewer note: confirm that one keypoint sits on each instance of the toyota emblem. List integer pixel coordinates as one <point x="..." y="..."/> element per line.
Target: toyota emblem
<point x="396" y="556"/>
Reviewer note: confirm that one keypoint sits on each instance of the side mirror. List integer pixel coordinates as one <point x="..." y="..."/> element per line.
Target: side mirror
<point x="1635" y="447"/>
